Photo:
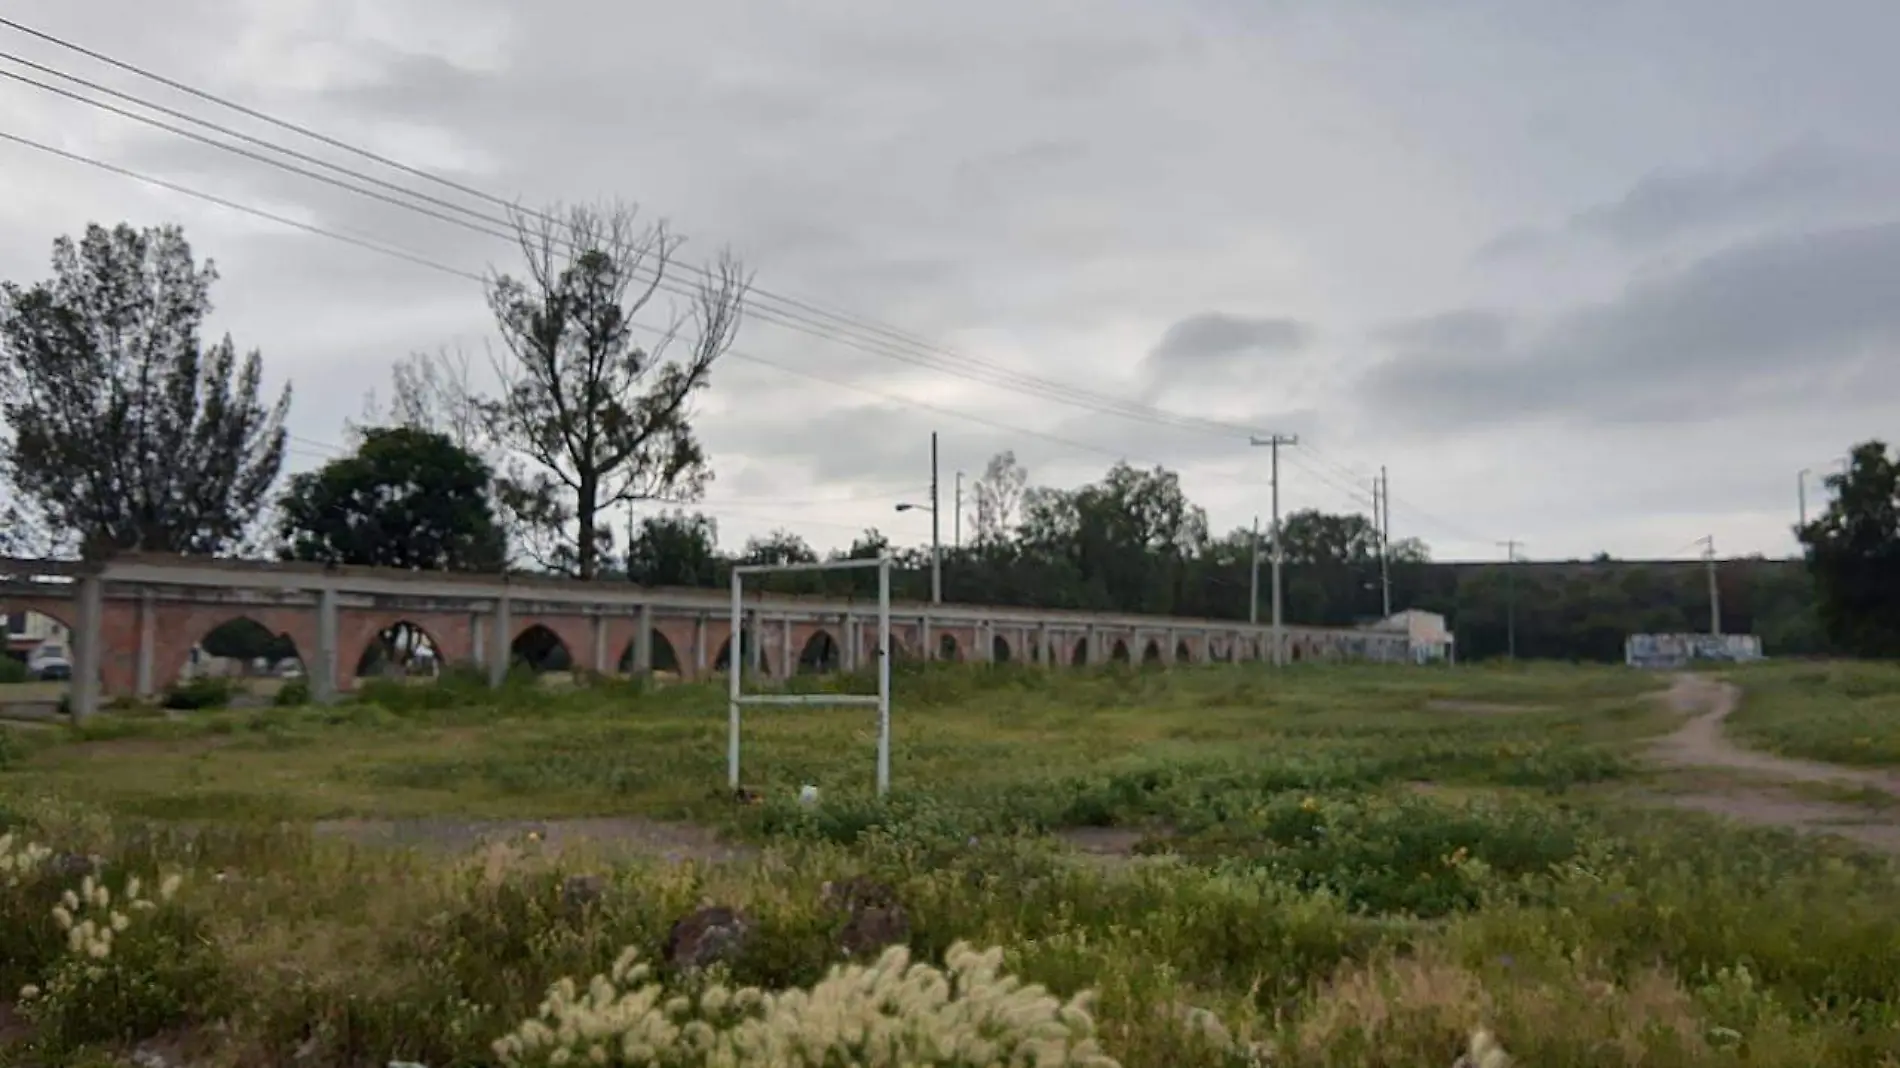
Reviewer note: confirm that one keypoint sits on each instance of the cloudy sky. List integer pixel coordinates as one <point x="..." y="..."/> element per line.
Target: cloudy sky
<point x="1593" y="276"/>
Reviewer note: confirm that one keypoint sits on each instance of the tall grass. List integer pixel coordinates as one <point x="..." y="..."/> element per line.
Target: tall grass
<point x="1333" y="874"/>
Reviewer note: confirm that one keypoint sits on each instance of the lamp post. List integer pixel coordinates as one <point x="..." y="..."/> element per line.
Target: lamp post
<point x="936" y="549"/>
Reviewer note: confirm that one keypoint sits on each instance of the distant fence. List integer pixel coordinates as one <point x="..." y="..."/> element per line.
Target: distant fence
<point x="1678" y="650"/>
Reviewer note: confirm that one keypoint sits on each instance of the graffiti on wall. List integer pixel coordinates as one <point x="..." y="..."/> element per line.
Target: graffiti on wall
<point x="1676" y="650"/>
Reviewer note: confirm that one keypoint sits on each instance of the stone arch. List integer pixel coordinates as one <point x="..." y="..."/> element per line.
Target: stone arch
<point x="665" y="657"/>
<point x="948" y="648"/>
<point x="1079" y="656"/>
<point x="401" y="647"/>
<point x="1151" y="653"/>
<point x="722" y="660"/>
<point x="1183" y="652"/>
<point x="999" y="649"/>
<point x="1119" y="653"/>
<point x="540" y="649"/>
<point x="821" y="654"/>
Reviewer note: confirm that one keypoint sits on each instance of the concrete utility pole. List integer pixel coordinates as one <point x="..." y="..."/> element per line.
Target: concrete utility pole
<point x="1273" y="442"/>
<point x="1801" y="494"/>
<point x="956" y="523"/>
<point x="1715" y="591"/>
<point x="936" y="529"/>
<point x="1253" y="578"/>
<point x="1382" y="521"/>
<point x="1510" y="598"/>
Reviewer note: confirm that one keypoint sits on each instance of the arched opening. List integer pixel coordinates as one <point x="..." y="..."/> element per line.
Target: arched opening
<point x="722" y="660"/>
<point x="1119" y="653"/>
<point x="1297" y="655"/>
<point x="999" y="649"/>
<point x="1151" y="653"/>
<point x="947" y="648"/>
<point x="665" y="658"/>
<point x="1182" y="653"/>
<point x="1224" y="652"/>
<point x="401" y="650"/>
<point x="821" y="655"/>
<point x="541" y="650"/>
<point x="37" y="670"/>
<point x="238" y="662"/>
<point x="1080" y="655"/>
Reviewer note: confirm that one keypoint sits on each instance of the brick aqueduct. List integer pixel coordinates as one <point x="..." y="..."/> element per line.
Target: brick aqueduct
<point x="134" y="620"/>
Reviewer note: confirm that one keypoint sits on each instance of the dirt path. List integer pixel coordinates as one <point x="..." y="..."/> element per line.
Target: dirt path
<point x="1700" y="744"/>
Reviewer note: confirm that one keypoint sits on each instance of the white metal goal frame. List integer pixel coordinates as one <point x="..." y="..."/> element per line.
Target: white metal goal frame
<point x="739" y="650"/>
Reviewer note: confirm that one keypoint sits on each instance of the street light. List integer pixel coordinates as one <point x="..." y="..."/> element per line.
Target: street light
<point x="936" y="549"/>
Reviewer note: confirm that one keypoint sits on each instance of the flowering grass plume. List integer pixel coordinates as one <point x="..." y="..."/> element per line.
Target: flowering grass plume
<point x="890" y="1012"/>
<point x="19" y="859"/>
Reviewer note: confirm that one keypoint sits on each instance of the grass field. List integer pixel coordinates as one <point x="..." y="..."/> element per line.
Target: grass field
<point x="1843" y="713"/>
<point x="1325" y="867"/>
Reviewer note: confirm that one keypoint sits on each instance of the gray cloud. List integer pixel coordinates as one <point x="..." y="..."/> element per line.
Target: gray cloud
<point x="1217" y="339"/>
<point x="1668" y="203"/>
<point x="1800" y="316"/>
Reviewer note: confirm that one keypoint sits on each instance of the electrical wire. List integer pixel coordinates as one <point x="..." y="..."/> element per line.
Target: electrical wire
<point x="994" y="374"/>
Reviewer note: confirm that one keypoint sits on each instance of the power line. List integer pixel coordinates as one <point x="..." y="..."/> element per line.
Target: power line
<point x="424" y="261"/>
<point x="928" y="356"/>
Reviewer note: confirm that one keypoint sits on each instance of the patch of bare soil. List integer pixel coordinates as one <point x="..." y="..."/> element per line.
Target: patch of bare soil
<point x="1103" y="841"/>
<point x="624" y="835"/>
<point x="1700" y="743"/>
<point x="1483" y="708"/>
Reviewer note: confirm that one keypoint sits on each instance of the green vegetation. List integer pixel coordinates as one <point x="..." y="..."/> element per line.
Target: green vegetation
<point x="1843" y="713"/>
<point x="1329" y="867"/>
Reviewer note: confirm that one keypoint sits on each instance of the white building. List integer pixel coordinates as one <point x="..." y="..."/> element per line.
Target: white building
<point x="1429" y="639"/>
<point x="27" y="631"/>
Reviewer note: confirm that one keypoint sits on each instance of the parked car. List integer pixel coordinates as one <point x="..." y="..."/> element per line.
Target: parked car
<point x="49" y="663"/>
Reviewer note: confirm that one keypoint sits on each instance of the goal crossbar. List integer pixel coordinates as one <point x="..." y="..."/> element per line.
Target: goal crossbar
<point x="737" y="648"/>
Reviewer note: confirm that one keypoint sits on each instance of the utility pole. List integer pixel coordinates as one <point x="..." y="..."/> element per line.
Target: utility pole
<point x="1382" y="523"/>
<point x="1273" y="442"/>
<point x="1253" y="580"/>
<point x="936" y="525"/>
<point x="1715" y="591"/>
<point x="956" y="522"/>
<point x="1510" y="597"/>
<point x="1801" y="494"/>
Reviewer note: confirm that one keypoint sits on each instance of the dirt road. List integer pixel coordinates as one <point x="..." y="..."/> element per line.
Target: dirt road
<point x="1764" y="798"/>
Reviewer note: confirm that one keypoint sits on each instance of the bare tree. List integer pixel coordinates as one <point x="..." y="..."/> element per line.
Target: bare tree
<point x="435" y="392"/>
<point x="999" y="493"/>
<point x="599" y="419"/>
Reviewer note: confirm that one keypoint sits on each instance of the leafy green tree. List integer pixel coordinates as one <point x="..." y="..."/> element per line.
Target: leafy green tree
<point x="675" y="549"/>
<point x="601" y="420"/>
<point x="124" y="428"/>
<point x="778" y="547"/>
<point x="1853" y="552"/>
<point x="405" y="498"/>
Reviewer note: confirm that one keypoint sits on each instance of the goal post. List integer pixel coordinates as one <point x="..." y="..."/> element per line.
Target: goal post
<point x="739" y="650"/>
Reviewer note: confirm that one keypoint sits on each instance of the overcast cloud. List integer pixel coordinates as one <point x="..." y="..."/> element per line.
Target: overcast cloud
<point x="1592" y="277"/>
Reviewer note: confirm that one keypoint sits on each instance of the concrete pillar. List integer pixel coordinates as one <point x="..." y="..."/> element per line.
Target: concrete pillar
<point x="1094" y="639"/>
<point x="322" y="670"/>
<point x="148" y="645"/>
<point x="755" y="641"/>
<point x="87" y="642"/>
<point x="601" y="666"/>
<point x="924" y="638"/>
<point x="699" y="646"/>
<point x="1046" y="642"/>
<point x="1173" y="640"/>
<point x="643" y="642"/>
<point x="502" y="638"/>
<point x="477" y="644"/>
<point x="786" y="669"/>
<point x="848" y="643"/>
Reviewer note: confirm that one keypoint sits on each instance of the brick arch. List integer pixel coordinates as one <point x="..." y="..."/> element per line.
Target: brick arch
<point x="817" y="651"/>
<point x="1000" y="651"/>
<point x="667" y="654"/>
<point x="715" y="661"/>
<point x="176" y="628"/>
<point x="1183" y="652"/>
<point x="450" y="635"/>
<point x="575" y="632"/>
<point x="950" y="645"/>
<point x="1118" y="652"/>
<point x="1151" y="652"/>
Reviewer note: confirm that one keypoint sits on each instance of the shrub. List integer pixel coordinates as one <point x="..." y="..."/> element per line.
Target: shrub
<point x="12" y="671"/>
<point x="293" y="693"/>
<point x="204" y="691"/>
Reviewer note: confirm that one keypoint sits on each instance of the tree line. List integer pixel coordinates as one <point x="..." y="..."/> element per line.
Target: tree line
<point x="127" y="430"/>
